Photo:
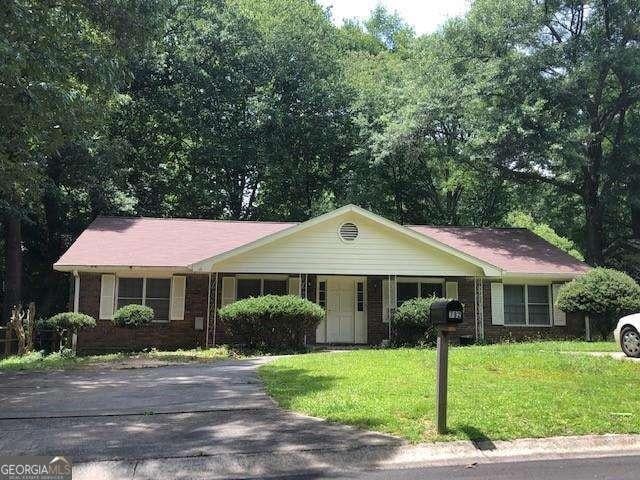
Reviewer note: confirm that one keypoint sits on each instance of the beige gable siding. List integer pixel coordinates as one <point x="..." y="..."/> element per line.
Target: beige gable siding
<point x="377" y="251"/>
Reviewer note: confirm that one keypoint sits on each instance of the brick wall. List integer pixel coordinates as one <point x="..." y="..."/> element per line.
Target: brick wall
<point x="181" y="333"/>
<point x="174" y="334"/>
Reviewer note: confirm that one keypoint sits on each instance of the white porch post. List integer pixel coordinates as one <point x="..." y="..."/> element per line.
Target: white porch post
<point x="206" y="336"/>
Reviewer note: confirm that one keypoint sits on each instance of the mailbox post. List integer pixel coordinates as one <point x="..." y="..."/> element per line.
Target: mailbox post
<point x="445" y="314"/>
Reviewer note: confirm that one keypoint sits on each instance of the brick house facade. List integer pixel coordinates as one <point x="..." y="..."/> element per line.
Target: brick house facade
<point x="358" y="265"/>
<point x="183" y="334"/>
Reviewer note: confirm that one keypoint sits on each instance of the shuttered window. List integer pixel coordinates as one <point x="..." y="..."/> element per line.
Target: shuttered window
<point x="151" y="292"/>
<point x="527" y="305"/>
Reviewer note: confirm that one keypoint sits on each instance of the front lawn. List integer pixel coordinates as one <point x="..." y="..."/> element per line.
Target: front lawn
<point x="498" y="392"/>
<point x="39" y="361"/>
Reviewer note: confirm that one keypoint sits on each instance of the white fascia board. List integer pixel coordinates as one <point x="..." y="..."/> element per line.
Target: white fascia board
<point x="206" y="265"/>
<point x="514" y="277"/>
<point x="120" y="269"/>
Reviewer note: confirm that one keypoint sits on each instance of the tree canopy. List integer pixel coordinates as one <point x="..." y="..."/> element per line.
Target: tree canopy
<point x="522" y="113"/>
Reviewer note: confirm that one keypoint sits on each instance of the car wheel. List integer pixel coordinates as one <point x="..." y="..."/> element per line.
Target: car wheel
<point x="630" y="342"/>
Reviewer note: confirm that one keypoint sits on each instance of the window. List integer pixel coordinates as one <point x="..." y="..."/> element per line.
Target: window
<point x="406" y="290"/>
<point x="527" y="305"/>
<point x="248" y="287"/>
<point x="152" y="292"/>
<point x="255" y="287"/>
<point x="158" y="297"/>
<point x="130" y="291"/>
<point x="275" y="287"/>
<point x="322" y="294"/>
<point x="538" y="305"/>
<point x="360" y="296"/>
<point x="514" y="305"/>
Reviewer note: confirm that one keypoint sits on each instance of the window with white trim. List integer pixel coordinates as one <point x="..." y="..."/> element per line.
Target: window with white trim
<point x="527" y="305"/>
<point x="152" y="292"/>
<point x="409" y="289"/>
<point x="256" y="287"/>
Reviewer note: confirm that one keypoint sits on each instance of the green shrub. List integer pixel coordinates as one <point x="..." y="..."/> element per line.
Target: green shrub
<point x="411" y="323"/>
<point x="133" y="316"/>
<point x="271" y="321"/>
<point x="67" y="323"/>
<point x="604" y="295"/>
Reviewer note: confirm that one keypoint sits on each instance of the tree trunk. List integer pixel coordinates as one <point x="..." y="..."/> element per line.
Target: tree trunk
<point x="592" y="204"/>
<point x="13" y="263"/>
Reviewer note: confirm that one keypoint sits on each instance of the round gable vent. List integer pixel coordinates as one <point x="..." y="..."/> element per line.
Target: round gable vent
<point x="348" y="232"/>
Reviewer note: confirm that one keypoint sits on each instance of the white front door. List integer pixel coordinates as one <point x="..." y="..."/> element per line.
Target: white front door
<point x="345" y="321"/>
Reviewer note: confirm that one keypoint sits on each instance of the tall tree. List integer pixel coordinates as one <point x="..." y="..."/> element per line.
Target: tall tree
<point x="60" y="65"/>
<point x="547" y="85"/>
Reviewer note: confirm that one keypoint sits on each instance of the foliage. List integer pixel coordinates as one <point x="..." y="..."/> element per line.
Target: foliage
<point x="133" y="316"/>
<point x="271" y="320"/>
<point x="263" y="110"/>
<point x="525" y="220"/>
<point x="68" y="321"/>
<point x="603" y="294"/>
<point x="411" y="323"/>
<point x="393" y="391"/>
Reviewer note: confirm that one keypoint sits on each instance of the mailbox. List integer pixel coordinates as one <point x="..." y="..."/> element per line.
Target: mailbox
<point x="446" y="312"/>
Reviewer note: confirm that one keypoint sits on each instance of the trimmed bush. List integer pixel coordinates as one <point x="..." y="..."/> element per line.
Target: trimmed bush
<point x="603" y="294"/>
<point x="66" y="323"/>
<point x="133" y="316"/>
<point x="411" y="323"/>
<point x="272" y="321"/>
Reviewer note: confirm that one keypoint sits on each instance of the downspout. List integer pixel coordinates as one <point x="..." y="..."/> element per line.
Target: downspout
<point x="215" y="309"/>
<point x="206" y="338"/>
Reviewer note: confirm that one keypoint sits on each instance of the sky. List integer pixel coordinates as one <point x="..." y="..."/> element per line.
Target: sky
<point x="423" y="15"/>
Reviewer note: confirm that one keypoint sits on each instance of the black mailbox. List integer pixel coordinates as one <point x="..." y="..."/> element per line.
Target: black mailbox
<point x="444" y="312"/>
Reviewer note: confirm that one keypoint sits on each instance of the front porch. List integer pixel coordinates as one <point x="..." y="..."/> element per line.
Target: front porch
<point x="358" y="307"/>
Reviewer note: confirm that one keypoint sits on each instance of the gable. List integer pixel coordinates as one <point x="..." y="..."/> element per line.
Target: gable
<point x="377" y="250"/>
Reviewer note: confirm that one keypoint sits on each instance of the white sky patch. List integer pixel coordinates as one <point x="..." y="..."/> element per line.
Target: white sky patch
<point x="424" y="16"/>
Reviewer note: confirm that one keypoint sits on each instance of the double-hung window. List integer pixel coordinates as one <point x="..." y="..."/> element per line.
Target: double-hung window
<point x="527" y="305"/>
<point x="152" y="292"/>
<point x="408" y="289"/>
<point x="256" y="287"/>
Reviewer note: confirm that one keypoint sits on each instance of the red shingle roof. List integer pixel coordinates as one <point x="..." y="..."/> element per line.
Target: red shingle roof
<point x="155" y="242"/>
<point x="161" y="242"/>
<point x="515" y="250"/>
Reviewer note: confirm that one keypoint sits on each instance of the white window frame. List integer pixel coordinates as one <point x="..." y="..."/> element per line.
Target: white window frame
<point x="262" y="278"/>
<point x="144" y="293"/>
<point x="526" y="305"/>
<point x="419" y="281"/>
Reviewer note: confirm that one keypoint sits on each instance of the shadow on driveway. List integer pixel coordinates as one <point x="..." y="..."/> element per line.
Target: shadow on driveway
<point x="179" y="411"/>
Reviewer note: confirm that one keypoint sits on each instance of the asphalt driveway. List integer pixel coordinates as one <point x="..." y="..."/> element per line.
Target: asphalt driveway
<point x="156" y="413"/>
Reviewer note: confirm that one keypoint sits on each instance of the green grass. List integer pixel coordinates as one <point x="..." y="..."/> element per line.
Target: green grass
<point x="498" y="392"/>
<point x="54" y="361"/>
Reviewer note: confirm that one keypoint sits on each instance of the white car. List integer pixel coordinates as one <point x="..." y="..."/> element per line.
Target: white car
<point x="627" y="335"/>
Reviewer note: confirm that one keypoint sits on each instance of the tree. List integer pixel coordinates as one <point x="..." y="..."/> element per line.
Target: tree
<point x="547" y="86"/>
<point x="68" y="323"/>
<point x="603" y="294"/>
<point x="61" y="64"/>
<point x="524" y="220"/>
